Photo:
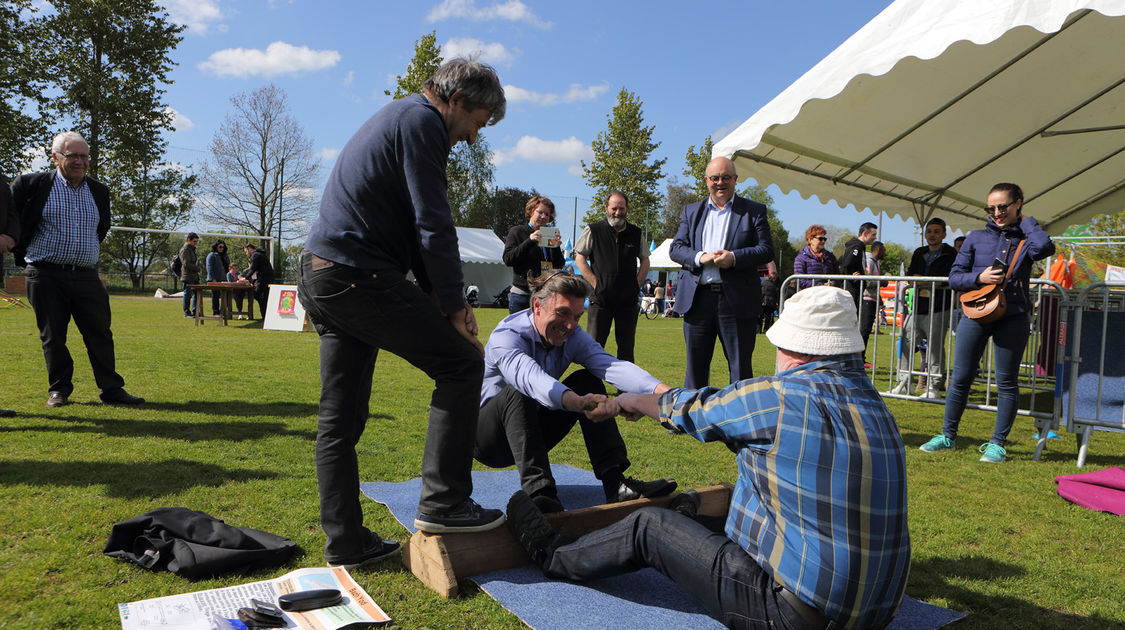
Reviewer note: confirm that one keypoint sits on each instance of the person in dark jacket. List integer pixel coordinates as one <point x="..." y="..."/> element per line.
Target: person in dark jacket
<point x="217" y="264"/>
<point x="260" y="272"/>
<point x="815" y="259"/>
<point x="63" y="218"/>
<point x="189" y="272"/>
<point x="930" y="317"/>
<point x="974" y="268"/>
<point x="529" y="255"/>
<point x="854" y="256"/>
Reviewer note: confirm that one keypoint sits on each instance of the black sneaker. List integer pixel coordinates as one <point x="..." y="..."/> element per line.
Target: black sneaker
<point x="377" y="550"/>
<point x="120" y="397"/>
<point x="533" y="532"/>
<point x="467" y="517"/>
<point x="548" y="504"/>
<point x="630" y="489"/>
<point x="686" y="503"/>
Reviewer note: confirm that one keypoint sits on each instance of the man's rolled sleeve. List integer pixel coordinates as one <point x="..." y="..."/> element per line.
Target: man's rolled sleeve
<point x="740" y="413"/>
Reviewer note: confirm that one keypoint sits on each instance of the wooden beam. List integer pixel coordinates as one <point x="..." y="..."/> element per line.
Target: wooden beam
<point x="439" y="560"/>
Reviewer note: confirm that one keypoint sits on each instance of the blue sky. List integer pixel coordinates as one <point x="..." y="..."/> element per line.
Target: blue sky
<point x="699" y="70"/>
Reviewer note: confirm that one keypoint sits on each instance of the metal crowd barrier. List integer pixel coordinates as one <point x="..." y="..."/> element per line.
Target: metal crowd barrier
<point x="1095" y="374"/>
<point x="1041" y="369"/>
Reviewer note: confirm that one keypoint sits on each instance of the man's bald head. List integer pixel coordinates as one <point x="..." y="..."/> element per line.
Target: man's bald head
<point x="721" y="179"/>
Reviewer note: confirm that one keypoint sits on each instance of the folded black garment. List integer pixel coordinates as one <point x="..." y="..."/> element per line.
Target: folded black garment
<point x="194" y="544"/>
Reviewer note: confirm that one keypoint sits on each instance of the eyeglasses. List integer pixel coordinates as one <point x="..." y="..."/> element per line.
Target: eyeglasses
<point x="715" y="179"/>
<point x="85" y="157"/>
<point x="821" y="238"/>
<point x="1001" y="207"/>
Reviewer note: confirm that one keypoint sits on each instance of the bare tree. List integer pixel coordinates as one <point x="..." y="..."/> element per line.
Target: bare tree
<point x="262" y="176"/>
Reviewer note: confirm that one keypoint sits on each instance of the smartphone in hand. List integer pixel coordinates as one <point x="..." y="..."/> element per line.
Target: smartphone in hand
<point x="999" y="265"/>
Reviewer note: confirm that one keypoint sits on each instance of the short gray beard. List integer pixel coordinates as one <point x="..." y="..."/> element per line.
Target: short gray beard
<point x="615" y="223"/>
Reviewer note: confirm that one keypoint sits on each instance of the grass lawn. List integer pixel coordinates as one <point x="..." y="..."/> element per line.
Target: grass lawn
<point x="230" y="425"/>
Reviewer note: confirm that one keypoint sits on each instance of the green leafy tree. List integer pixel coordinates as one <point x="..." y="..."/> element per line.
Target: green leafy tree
<point x="161" y="197"/>
<point x="1107" y="225"/>
<point x="109" y="62"/>
<point x="502" y="209"/>
<point x="469" y="171"/>
<point x="23" y="86"/>
<point x="676" y="196"/>
<point x="897" y="255"/>
<point x="623" y="161"/>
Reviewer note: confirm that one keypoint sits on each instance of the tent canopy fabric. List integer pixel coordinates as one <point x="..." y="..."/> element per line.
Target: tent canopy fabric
<point x="659" y="258"/>
<point x="926" y="107"/>
<point x="482" y="262"/>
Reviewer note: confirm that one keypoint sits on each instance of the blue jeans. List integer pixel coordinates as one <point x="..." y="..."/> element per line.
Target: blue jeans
<point x="189" y="299"/>
<point x="714" y="569"/>
<point x="518" y="302"/>
<point x="356" y="314"/>
<point x="1009" y="335"/>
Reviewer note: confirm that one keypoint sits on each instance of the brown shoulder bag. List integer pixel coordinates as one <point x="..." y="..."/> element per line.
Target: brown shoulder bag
<point x="988" y="304"/>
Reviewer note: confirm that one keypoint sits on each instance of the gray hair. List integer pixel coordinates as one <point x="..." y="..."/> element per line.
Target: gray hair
<point x="63" y="138"/>
<point x="476" y="81"/>
<point x="561" y="281"/>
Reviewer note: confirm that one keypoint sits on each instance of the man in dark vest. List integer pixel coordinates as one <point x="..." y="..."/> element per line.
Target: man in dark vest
<point x="614" y="248"/>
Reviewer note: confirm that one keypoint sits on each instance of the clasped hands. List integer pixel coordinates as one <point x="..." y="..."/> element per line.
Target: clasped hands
<point x="723" y="258"/>
<point x="599" y="407"/>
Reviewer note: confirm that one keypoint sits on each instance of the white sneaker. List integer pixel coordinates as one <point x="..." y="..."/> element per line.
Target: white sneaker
<point x="902" y="387"/>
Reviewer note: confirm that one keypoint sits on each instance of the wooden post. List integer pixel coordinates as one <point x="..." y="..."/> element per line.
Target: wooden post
<point x="439" y="560"/>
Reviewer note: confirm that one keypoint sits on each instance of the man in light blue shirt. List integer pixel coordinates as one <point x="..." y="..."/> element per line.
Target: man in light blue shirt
<point x="525" y="410"/>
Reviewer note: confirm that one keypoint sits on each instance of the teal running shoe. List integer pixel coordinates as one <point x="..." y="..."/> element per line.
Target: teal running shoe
<point x="937" y="443"/>
<point x="992" y="453"/>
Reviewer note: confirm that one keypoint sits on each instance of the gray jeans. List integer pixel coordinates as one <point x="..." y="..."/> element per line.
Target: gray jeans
<point x="932" y="328"/>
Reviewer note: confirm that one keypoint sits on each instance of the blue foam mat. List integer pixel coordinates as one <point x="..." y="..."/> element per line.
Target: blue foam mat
<point x="641" y="600"/>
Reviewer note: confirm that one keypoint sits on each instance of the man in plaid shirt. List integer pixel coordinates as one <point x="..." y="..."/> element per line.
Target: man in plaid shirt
<point x="816" y="535"/>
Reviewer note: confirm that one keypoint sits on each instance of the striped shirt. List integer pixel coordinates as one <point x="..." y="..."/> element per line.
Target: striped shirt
<point x="67" y="233"/>
<point x="820" y="501"/>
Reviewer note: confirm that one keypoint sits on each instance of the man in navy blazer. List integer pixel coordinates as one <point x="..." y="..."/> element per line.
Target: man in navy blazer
<point x="721" y="242"/>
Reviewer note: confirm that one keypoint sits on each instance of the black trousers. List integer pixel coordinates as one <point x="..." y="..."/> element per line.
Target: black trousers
<point x="356" y="314"/>
<point x="867" y="310"/>
<point x="623" y="318"/>
<point x="710" y="316"/>
<point x="516" y="430"/>
<point x="56" y="296"/>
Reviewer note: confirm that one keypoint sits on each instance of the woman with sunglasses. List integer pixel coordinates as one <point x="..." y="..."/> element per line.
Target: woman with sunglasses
<point x="984" y="259"/>
<point x="815" y="258"/>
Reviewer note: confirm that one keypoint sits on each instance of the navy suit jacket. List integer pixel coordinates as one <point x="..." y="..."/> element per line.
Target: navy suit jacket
<point x="748" y="237"/>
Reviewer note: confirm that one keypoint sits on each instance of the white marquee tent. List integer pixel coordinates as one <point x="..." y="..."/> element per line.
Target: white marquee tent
<point x="482" y="262"/>
<point x="922" y="110"/>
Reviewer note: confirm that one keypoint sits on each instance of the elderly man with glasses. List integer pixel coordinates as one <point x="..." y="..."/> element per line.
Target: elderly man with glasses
<point x="721" y="243"/>
<point x="64" y="216"/>
<point x="525" y="410"/>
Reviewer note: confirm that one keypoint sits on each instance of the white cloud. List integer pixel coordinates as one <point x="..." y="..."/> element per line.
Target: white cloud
<point x="576" y="92"/>
<point x="179" y="121"/>
<point x="328" y="154"/>
<point x="348" y="78"/>
<point x="535" y="149"/>
<point x="493" y="53"/>
<point x="277" y="59"/>
<point x="196" y="15"/>
<point x="575" y="170"/>
<point x="512" y="10"/>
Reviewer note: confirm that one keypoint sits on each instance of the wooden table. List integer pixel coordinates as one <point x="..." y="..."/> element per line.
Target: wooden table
<point x="226" y="300"/>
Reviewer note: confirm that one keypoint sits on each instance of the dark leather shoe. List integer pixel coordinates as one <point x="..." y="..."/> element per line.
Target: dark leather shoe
<point x="547" y="504"/>
<point x="376" y="551"/>
<point x="120" y="397"/>
<point x="533" y="532"/>
<point x="635" y="489"/>
<point x="686" y="503"/>
<point x="57" y="399"/>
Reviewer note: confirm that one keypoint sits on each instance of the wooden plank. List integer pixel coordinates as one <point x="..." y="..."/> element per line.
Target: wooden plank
<point x="438" y="560"/>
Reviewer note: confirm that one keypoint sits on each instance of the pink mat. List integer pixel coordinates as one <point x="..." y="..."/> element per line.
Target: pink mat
<point x="1102" y="490"/>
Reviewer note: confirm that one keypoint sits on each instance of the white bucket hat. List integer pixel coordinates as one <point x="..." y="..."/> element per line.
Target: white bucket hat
<point x="820" y="320"/>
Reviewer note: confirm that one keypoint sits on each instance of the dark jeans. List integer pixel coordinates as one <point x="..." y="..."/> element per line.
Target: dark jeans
<point x="518" y="302"/>
<point x="190" y="298"/>
<point x="623" y="318"/>
<point x="56" y="296"/>
<point x="358" y="313"/>
<point x="714" y="569"/>
<point x="867" y="319"/>
<point x="262" y="295"/>
<point x="1009" y="336"/>
<point x="710" y="316"/>
<point x="516" y="430"/>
